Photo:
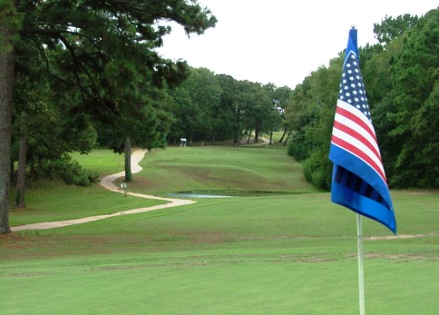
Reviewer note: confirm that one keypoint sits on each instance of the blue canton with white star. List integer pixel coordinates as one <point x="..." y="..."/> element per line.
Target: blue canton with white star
<point x="352" y="87"/>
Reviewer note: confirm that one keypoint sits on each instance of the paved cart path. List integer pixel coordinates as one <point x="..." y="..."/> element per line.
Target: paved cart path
<point x="108" y="183"/>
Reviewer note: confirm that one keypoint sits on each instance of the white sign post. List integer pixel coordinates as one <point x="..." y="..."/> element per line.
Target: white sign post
<point x="124" y="187"/>
<point x="183" y="142"/>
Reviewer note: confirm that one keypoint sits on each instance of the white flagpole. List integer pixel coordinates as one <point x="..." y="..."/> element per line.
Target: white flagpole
<point x="360" y="263"/>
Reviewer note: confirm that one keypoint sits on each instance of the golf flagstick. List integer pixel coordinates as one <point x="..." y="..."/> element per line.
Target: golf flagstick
<point x="360" y="263"/>
<point x="358" y="178"/>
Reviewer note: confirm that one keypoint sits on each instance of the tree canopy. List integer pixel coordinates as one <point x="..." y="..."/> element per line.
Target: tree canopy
<point x="211" y="107"/>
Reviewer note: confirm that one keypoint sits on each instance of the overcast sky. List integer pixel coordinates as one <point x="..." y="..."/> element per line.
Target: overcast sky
<point x="281" y="41"/>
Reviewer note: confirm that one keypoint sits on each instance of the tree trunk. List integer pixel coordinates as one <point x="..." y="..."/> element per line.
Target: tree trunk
<point x="128" y="174"/>
<point x="283" y="135"/>
<point x="237" y="130"/>
<point x="240" y="137"/>
<point x="6" y="88"/>
<point x="288" y="136"/>
<point x="235" y="134"/>
<point x="21" y="172"/>
<point x="249" y="135"/>
<point x="271" y="136"/>
<point x="213" y="136"/>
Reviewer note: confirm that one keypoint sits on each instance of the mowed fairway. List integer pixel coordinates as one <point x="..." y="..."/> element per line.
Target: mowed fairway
<point x="288" y="250"/>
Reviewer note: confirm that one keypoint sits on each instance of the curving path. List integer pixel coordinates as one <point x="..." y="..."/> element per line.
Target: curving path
<point x="108" y="183"/>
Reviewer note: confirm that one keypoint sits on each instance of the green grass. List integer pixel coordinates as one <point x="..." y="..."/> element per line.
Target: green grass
<point x="221" y="170"/>
<point x="54" y="201"/>
<point x="270" y="254"/>
<point x="57" y="202"/>
<point x="103" y="161"/>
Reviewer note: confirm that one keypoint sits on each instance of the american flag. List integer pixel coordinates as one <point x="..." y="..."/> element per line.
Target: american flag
<point x="359" y="180"/>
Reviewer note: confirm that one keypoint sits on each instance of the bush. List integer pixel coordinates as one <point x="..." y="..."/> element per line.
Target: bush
<point x="66" y="169"/>
<point x="318" y="169"/>
<point x="298" y="148"/>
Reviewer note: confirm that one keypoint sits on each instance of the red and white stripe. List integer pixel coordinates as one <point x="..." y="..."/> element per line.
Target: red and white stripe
<point x="354" y="133"/>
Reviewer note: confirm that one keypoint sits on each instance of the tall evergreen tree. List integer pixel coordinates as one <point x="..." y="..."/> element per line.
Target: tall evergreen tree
<point x="9" y="26"/>
<point x="98" y="53"/>
<point x="415" y="80"/>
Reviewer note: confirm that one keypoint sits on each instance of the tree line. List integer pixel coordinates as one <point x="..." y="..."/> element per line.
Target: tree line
<point x="209" y="107"/>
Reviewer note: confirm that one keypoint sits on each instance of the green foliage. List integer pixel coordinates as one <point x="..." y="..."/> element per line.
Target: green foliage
<point x="72" y="173"/>
<point x="391" y="28"/>
<point x="313" y="106"/>
<point x="10" y="24"/>
<point x="414" y="80"/>
<point x="317" y="169"/>
<point x="209" y="107"/>
<point x="298" y="147"/>
<point x="65" y="168"/>
<point x="102" y="54"/>
<point x="196" y="104"/>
